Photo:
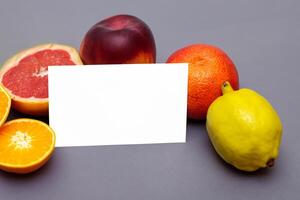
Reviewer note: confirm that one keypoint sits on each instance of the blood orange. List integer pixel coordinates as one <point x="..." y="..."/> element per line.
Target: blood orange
<point x="209" y="68"/>
<point x="25" y="75"/>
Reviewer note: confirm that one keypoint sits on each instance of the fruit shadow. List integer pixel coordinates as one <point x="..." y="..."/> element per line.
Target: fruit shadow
<point x="263" y="172"/>
<point x="16" y="115"/>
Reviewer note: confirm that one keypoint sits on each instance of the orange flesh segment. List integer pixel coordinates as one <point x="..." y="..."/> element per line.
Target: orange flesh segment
<point x="25" y="143"/>
<point x="4" y="105"/>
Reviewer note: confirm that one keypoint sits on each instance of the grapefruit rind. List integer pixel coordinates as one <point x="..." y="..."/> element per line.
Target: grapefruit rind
<point x="34" y="106"/>
<point x="36" y="164"/>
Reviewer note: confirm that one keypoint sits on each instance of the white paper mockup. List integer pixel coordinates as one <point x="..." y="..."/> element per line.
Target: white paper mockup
<point x="118" y="104"/>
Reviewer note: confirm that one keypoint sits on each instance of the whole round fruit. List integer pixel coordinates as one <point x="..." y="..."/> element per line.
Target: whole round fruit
<point x="25" y="75"/>
<point x="209" y="67"/>
<point x="118" y="39"/>
<point x="244" y="129"/>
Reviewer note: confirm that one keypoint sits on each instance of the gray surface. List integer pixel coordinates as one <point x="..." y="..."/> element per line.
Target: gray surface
<point x="262" y="37"/>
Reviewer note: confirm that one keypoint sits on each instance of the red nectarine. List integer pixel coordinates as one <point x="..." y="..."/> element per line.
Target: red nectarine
<point x="118" y="39"/>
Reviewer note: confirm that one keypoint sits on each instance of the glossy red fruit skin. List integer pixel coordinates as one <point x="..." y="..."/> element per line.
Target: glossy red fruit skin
<point x="117" y="40"/>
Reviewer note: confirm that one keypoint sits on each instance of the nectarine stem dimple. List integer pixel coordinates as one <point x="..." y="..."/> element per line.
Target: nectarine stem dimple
<point x="226" y="87"/>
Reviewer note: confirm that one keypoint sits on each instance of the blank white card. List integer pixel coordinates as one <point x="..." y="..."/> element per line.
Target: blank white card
<point x="118" y="104"/>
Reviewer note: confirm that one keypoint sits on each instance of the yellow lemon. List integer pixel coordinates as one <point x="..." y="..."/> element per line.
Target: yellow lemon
<point x="244" y="129"/>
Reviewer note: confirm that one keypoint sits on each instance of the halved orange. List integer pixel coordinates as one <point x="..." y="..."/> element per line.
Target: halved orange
<point x="5" y="103"/>
<point x="25" y="145"/>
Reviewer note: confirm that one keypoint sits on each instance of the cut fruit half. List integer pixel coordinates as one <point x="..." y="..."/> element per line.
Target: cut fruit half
<point x="25" y="75"/>
<point x="5" y="103"/>
<point x="25" y="145"/>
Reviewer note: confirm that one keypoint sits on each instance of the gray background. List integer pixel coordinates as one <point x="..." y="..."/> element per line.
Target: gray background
<point x="262" y="37"/>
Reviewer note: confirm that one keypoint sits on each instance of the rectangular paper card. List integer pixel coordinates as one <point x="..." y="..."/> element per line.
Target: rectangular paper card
<point x="118" y="104"/>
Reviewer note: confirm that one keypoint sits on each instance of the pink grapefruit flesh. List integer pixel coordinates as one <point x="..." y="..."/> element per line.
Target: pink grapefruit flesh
<point x="29" y="78"/>
<point x="25" y="75"/>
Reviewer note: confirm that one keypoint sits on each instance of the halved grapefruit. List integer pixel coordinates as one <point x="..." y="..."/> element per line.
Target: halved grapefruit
<point x="25" y="75"/>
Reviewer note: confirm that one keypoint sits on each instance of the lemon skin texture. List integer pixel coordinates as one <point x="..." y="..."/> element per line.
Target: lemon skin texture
<point x="244" y="129"/>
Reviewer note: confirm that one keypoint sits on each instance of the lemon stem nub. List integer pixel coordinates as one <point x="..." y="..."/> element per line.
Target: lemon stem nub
<point x="271" y="163"/>
<point x="226" y="87"/>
